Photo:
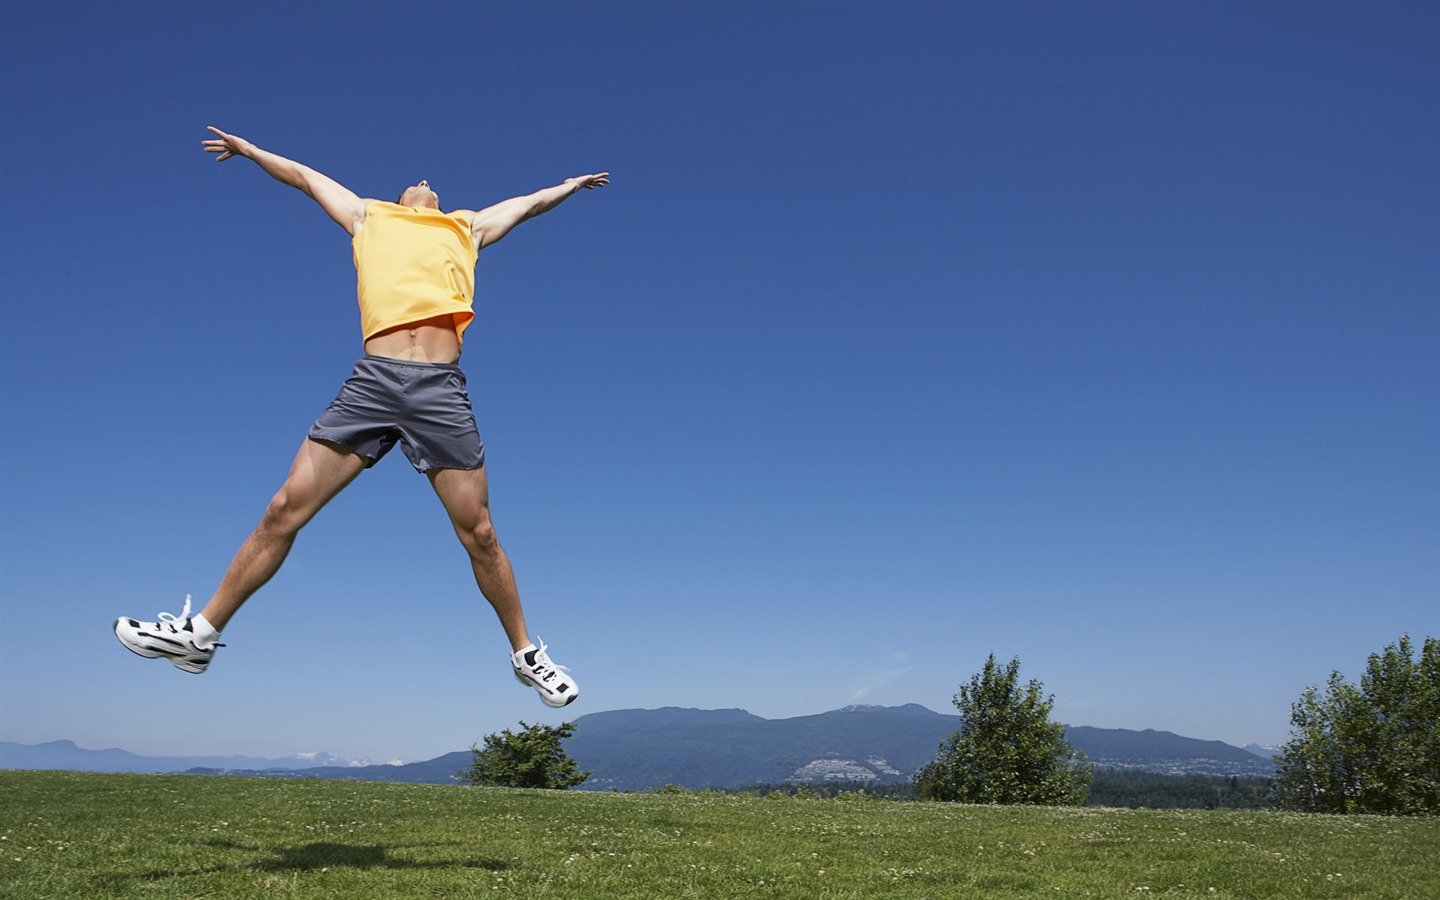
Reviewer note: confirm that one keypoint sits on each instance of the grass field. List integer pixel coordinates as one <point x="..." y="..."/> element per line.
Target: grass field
<point x="76" y="835"/>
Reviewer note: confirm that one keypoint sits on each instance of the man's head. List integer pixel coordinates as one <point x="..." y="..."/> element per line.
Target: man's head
<point x="419" y="196"/>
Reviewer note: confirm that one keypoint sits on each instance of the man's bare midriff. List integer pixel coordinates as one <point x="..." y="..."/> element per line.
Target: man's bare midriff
<point x="430" y="340"/>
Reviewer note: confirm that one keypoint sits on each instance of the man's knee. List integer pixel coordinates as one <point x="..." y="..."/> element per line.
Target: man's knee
<point x="480" y="538"/>
<point x="284" y="515"/>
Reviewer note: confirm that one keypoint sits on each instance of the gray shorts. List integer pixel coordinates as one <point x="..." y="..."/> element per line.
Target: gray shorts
<point x="424" y="406"/>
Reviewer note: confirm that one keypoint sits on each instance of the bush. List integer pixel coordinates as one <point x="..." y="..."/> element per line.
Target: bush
<point x="1007" y="750"/>
<point x="529" y="758"/>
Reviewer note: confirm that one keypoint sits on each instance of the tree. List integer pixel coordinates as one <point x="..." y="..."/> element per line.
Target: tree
<point x="1007" y="750"/>
<point x="1374" y="748"/>
<point x="529" y="758"/>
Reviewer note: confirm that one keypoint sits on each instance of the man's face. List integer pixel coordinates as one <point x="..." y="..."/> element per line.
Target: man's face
<point x="420" y="196"/>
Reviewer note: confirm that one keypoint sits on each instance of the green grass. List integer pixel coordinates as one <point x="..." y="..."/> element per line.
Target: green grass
<point x="67" y="835"/>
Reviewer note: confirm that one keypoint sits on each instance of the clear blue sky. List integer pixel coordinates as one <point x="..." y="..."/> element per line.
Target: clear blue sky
<point x="1101" y="335"/>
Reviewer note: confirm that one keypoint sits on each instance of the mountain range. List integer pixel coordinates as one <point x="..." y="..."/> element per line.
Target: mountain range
<point x="640" y="749"/>
<point x="66" y="755"/>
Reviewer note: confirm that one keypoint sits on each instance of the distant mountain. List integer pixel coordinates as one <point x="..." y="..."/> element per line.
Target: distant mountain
<point x="639" y="749"/>
<point x="642" y="749"/>
<point x="440" y="770"/>
<point x="66" y="755"/>
<point x="1163" y="752"/>
<point x="1264" y="751"/>
<point x="692" y="748"/>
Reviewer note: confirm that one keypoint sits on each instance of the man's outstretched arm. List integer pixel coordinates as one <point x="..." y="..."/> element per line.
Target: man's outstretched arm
<point x="494" y="222"/>
<point x="343" y="205"/>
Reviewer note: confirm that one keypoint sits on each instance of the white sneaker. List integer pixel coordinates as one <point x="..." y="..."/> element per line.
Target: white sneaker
<point x="533" y="668"/>
<point x="173" y="638"/>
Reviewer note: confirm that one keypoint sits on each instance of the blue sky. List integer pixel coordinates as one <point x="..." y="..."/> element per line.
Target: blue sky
<point x="1101" y="335"/>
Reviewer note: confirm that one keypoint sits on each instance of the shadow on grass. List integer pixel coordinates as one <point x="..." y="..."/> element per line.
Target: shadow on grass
<point x="360" y="856"/>
<point x="314" y="856"/>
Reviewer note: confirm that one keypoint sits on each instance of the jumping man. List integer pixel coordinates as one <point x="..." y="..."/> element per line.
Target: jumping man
<point x="416" y="280"/>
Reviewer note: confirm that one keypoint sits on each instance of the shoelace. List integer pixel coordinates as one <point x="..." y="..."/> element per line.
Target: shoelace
<point x="166" y="619"/>
<point x="543" y="661"/>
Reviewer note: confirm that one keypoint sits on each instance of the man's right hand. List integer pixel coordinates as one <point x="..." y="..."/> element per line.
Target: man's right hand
<point x="338" y="201"/>
<point x="589" y="182"/>
<point x="228" y="145"/>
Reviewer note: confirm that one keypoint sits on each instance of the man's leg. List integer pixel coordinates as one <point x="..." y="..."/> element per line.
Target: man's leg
<point x="320" y="471"/>
<point x="465" y="494"/>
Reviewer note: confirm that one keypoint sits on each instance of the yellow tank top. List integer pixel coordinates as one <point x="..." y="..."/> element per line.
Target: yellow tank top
<point x="413" y="264"/>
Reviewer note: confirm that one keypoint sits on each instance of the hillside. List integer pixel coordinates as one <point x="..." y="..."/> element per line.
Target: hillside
<point x="1164" y="752"/>
<point x="639" y="749"/>
<point x="83" y="835"/>
<point x="67" y="756"/>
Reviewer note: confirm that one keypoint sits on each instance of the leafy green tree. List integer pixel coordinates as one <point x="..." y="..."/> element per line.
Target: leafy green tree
<point x="529" y="758"/>
<point x="1007" y="750"/>
<point x="1374" y="748"/>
